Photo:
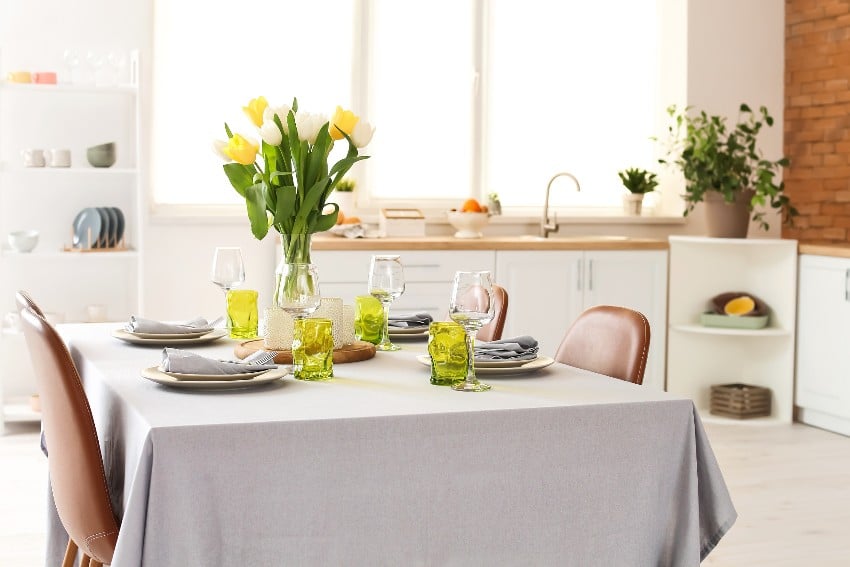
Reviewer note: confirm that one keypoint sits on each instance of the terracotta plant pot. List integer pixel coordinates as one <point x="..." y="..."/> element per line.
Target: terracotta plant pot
<point x="728" y="220"/>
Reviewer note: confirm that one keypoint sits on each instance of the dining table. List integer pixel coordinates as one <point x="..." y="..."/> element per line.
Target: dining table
<point x="559" y="466"/>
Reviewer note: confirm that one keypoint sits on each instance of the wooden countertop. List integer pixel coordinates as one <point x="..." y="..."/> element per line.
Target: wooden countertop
<point x="835" y="250"/>
<point x="487" y="243"/>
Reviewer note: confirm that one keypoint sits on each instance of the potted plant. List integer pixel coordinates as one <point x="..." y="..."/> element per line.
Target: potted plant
<point x="344" y="194"/>
<point x="638" y="182"/>
<point x="724" y="167"/>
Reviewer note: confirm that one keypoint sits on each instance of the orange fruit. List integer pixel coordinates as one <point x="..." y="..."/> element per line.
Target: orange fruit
<point x="739" y="306"/>
<point x="340" y="217"/>
<point x="351" y="220"/>
<point x="471" y="206"/>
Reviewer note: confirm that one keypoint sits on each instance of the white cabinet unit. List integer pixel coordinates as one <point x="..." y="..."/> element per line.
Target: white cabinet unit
<point x="699" y="357"/>
<point x="549" y="289"/>
<point x="48" y="199"/>
<point x="823" y="328"/>
<point x="428" y="275"/>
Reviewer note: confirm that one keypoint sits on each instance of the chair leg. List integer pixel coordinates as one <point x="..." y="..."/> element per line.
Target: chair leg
<point x="95" y="563"/>
<point x="85" y="561"/>
<point x="70" y="554"/>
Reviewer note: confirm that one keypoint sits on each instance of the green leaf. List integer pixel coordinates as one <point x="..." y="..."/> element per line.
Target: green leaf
<point x="285" y="211"/>
<point x="240" y="176"/>
<point x="256" y="205"/>
<point x="326" y="222"/>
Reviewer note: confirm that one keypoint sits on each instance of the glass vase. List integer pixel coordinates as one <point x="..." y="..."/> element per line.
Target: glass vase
<point x="295" y="249"/>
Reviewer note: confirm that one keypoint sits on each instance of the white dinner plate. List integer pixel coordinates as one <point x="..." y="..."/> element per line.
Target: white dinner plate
<point x="528" y="367"/>
<point x="156" y="375"/>
<point x="398" y="331"/>
<point x="190" y="335"/>
<point x="213" y="335"/>
<point x="508" y="363"/>
<point x="214" y="377"/>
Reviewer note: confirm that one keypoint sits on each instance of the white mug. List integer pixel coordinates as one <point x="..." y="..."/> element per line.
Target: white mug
<point x="33" y="157"/>
<point x="58" y="158"/>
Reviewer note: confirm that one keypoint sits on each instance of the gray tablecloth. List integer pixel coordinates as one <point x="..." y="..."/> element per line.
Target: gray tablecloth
<point x="378" y="467"/>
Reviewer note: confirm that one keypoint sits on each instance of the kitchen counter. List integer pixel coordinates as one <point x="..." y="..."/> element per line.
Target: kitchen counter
<point x="488" y="243"/>
<point x="833" y="250"/>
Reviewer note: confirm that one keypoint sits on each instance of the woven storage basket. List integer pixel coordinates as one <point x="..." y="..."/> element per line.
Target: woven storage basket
<point x="740" y="401"/>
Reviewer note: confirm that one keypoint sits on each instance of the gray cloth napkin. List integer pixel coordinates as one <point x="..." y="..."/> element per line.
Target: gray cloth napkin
<point x="407" y="321"/>
<point x="517" y="348"/>
<point x="141" y="325"/>
<point x="185" y="362"/>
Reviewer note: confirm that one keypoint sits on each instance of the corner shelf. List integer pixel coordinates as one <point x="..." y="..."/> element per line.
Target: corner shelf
<point x="700" y="329"/>
<point x="699" y="356"/>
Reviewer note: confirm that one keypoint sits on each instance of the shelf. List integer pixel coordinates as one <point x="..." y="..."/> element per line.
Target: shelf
<point x="52" y="255"/>
<point x="699" y="329"/>
<point x="68" y="170"/>
<point x="18" y="410"/>
<point x="706" y="416"/>
<point x="69" y="88"/>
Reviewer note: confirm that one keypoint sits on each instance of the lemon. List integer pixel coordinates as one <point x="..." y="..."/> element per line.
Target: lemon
<point x="739" y="306"/>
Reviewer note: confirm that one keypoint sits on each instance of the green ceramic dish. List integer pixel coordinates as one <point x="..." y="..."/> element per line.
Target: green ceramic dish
<point x="731" y="322"/>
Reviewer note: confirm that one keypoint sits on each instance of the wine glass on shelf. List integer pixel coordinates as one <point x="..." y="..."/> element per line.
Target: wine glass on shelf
<point x="471" y="307"/>
<point x="228" y="269"/>
<point x="386" y="284"/>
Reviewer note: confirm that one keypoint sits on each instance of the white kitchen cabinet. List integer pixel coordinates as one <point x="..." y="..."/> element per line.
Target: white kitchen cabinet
<point x="699" y="357"/>
<point x="47" y="199"/>
<point x="548" y="290"/>
<point x="823" y="328"/>
<point x="428" y="275"/>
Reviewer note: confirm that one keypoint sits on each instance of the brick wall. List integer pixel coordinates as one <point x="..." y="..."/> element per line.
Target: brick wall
<point x="817" y="119"/>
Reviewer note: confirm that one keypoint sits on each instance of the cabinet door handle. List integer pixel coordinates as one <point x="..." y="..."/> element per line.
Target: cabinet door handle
<point x="590" y="275"/>
<point x="578" y="274"/>
<point x="847" y="284"/>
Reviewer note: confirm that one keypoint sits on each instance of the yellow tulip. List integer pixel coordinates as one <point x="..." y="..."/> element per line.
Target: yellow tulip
<point x="241" y="150"/>
<point x="255" y="109"/>
<point x="345" y="120"/>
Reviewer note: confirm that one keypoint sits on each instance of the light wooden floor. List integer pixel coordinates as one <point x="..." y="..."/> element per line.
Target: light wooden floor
<point x="790" y="485"/>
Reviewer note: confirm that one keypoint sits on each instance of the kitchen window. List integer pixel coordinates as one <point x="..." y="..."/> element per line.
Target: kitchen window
<point x="468" y="97"/>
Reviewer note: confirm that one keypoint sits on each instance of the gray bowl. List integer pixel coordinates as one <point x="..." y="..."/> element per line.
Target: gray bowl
<point x="102" y="155"/>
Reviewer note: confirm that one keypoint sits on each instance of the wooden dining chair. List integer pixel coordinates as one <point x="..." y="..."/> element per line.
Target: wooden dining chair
<point x="75" y="462"/>
<point x="24" y="300"/>
<point x="492" y="331"/>
<point x="609" y="340"/>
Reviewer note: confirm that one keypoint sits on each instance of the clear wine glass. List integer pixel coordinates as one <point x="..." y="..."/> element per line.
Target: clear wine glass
<point x="228" y="270"/>
<point x="471" y="307"/>
<point x="298" y="292"/>
<point x="386" y="284"/>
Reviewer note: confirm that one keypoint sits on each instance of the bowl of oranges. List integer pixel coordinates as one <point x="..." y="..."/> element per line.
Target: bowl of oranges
<point x="470" y="219"/>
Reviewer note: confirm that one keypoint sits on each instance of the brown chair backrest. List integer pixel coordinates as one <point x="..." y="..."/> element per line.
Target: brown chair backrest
<point x="609" y="340"/>
<point x="493" y="330"/>
<point x="24" y="300"/>
<point x="75" y="462"/>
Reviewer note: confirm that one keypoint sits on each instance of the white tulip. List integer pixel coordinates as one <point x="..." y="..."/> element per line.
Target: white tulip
<point x="362" y="133"/>
<point x="282" y="112"/>
<point x="270" y="133"/>
<point x="218" y="148"/>
<point x="308" y="125"/>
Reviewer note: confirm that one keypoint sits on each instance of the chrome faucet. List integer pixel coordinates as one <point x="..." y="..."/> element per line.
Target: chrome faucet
<point x="545" y="225"/>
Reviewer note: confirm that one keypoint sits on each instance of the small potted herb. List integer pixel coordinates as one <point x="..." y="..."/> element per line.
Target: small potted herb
<point x="343" y="195"/>
<point x="638" y="182"/>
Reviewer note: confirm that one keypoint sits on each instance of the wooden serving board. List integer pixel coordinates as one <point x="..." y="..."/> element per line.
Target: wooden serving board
<point x="355" y="352"/>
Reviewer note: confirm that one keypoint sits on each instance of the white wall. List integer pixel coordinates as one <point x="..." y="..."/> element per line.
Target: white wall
<point x="734" y="53"/>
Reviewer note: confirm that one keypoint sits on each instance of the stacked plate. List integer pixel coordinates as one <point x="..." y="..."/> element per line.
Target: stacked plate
<point x="169" y="339"/>
<point x="98" y="227"/>
<point x="246" y="379"/>
<point x="502" y="367"/>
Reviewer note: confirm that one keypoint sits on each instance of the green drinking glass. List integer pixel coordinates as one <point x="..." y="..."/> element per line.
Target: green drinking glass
<point x="242" y="315"/>
<point x="449" y="354"/>
<point x="312" y="349"/>
<point x="368" y="319"/>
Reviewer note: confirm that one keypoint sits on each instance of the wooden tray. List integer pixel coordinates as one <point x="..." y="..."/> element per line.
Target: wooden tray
<point x="741" y="401"/>
<point x="355" y="352"/>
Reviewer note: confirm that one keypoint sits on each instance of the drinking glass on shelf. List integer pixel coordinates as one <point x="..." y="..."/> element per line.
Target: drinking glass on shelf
<point x="228" y="269"/>
<point x="386" y="284"/>
<point x="471" y="307"/>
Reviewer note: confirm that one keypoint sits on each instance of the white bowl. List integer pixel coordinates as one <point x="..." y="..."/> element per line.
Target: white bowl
<point x="23" y="240"/>
<point x="468" y="225"/>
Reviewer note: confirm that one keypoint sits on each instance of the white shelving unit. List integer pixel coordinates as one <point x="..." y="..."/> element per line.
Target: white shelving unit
<point x="699" y="357"/>
<point x="47" y="199"/>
